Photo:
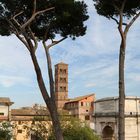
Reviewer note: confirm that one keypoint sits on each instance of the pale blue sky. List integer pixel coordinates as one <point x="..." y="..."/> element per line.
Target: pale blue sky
<point x="92" y="59"/>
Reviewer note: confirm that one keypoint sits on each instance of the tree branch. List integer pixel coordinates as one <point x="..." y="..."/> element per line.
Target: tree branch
<point x="118" y="21"/>
<point x="33" y="38"/>
<point x="54" y="43"/>
<point x="115" y="20"/>
<point x="14" y="18"/>
<point x="50" y="73"/>
<point x="121" y="13"/>
<point x="45" y="38"/>
<point x="17" y="14"/>
<point x="40" y="80"/>
<point x="123" y="5"/>
<point x="120" y="27"/>
<point x="34" y="15"/>
<point x="131" y="22"/>
<point x="23" y="41"/>
<point x="34" y="7"/>
<point x="121" y="20"/>
<point x="16" y="32"/>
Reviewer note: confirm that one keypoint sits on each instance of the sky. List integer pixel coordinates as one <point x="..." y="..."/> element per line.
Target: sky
<point x="93" y="63"/>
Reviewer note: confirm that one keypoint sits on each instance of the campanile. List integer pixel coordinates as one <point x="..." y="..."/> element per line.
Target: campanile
<point x="61" y="84"/>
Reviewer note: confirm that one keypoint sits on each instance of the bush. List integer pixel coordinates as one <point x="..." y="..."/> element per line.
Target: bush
<point x="5" y="131"/>
<point x="75" y="130"/>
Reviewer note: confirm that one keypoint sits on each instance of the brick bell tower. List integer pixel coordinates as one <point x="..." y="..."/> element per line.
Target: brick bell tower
<point x="61" y="84"/>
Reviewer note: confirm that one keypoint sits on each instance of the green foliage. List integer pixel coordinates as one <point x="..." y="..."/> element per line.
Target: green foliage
<point x="39" y="130"/>
<point x="75" y="130"/>
<point x="110" y="8"/>
<point x="5" y="131"/>
<point x="66" y="19"/>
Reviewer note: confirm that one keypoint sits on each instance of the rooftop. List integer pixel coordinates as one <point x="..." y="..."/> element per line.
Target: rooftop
<point x="6" y="100"/>
<point x="28" y="112"/>
<point x="61" y="63"/>
<point x="116" y="98"/>
<point x="79" y="98"/>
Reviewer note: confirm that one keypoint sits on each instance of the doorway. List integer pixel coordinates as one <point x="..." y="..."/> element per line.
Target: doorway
<point x="108" y="133"/>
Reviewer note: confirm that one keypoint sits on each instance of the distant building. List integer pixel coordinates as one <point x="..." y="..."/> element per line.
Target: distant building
<point x="25" y="119"/>
<point x="5" y="104"/>
<point x="106" y="118"/>
<point x="28" y="113"/>
<point x="80" y="107"/>
<point x="61" y="84"/>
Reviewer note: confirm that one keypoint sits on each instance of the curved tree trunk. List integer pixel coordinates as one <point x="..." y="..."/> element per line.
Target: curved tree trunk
<point x="123" y="33"/>
<point x="121" y="124"/>
<point x="55" y="121"/>
<point x="50" y="101"/>
<point x="53" y="108"/>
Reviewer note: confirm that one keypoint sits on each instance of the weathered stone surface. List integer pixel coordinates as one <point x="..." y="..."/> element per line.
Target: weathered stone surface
<point x="106" y="118"/>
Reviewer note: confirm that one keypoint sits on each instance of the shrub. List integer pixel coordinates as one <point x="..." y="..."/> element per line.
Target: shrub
<point x="5" y="131"/>
<point x="75" y="130"/>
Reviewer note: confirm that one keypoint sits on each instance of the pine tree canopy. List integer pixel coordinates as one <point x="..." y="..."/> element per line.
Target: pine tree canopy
<point x="110" y="8"/>
<point x="65" y="19"/>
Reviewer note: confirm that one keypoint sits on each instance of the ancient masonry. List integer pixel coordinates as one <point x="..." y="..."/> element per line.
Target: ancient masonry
<point x="61" y="84"/>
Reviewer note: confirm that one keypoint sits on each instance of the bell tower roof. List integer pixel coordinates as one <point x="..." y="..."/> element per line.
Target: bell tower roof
<point x="61" y="63"/>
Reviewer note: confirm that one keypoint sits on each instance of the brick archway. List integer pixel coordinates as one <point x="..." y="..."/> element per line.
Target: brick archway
<point x="108" y="133"/>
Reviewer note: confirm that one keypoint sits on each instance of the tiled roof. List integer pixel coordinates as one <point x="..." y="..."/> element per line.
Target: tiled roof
<point x="79" y="98"/>
<point x="2" y="118"/>
<point x="116" y="98"/>
<point x="6" y="100"/>
<point x="28" y="112"/>
<point x="61" y="63"/>
<point x="33" y="112"/>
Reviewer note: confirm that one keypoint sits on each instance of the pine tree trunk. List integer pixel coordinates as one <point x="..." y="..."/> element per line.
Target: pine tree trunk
<point x="50" y="101"/>
<point x="121" y="124"/>
<point x="56" y="123"/>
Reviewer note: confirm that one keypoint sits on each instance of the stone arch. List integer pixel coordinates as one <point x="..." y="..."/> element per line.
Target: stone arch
<point x="108" y="133"/>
